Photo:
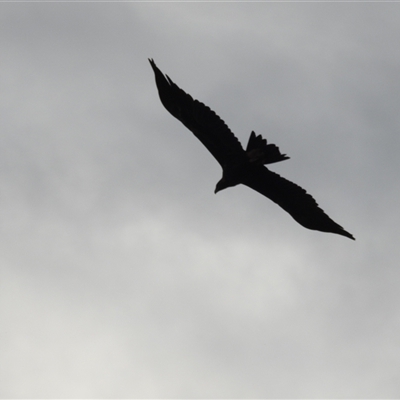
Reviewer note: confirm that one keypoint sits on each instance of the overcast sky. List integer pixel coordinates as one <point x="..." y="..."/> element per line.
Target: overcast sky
<point x="122" y="274"/>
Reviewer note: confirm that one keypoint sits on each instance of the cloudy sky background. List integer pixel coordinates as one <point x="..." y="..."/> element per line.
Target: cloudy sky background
<point x="123" y="275"/>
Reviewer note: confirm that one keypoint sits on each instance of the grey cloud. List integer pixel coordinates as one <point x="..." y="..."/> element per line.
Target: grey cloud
<point x="123" y="275"/>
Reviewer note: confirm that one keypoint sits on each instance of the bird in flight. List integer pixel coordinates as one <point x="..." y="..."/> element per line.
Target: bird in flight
<point x="241" y="166"/>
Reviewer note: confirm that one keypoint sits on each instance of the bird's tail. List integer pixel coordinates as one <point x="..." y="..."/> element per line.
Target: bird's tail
<point x="259" y="152"/>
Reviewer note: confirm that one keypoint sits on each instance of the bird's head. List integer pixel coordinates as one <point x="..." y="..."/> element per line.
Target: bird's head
<point x="221" y="185"/>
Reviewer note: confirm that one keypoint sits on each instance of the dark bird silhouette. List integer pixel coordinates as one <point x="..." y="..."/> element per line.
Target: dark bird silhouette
<point x="240" y="166"/>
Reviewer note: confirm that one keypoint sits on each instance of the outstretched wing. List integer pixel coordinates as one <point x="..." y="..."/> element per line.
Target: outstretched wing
<point x="293" y="199"/>
<point x="207" y="126"/>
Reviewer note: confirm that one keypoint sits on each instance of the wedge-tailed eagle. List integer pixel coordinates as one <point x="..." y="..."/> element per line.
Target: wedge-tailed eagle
<point x="241" y="166"/>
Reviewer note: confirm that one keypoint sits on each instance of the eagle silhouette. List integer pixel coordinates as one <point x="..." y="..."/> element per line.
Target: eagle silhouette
<point x="243" y="166"/>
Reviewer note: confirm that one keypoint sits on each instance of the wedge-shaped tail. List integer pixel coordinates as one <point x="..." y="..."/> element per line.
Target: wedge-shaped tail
<point x="260" y="153"/>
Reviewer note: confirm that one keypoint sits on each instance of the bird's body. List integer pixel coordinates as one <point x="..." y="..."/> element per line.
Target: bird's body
<point x="241" y="166"/>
